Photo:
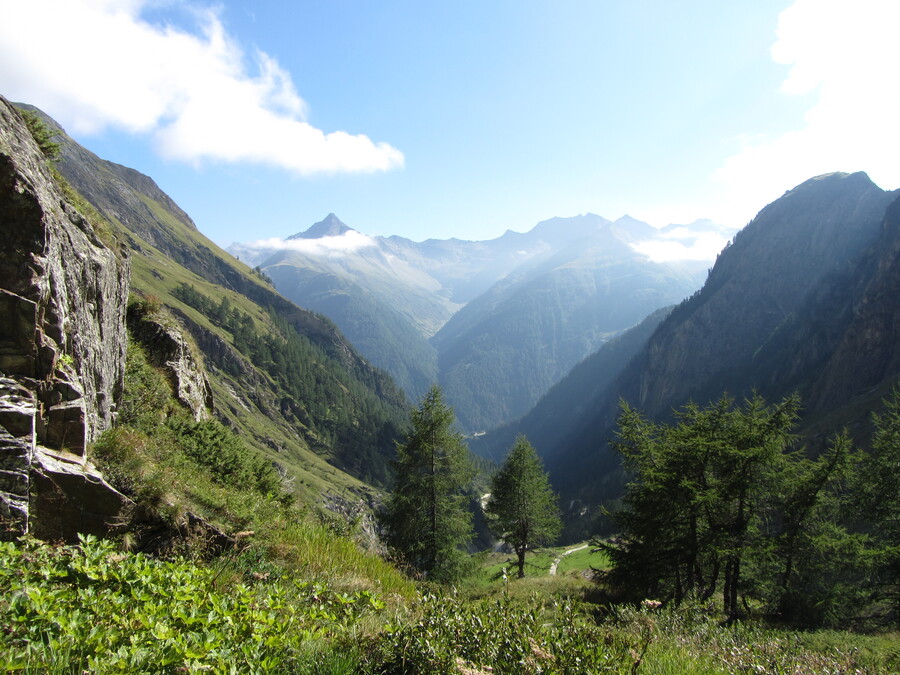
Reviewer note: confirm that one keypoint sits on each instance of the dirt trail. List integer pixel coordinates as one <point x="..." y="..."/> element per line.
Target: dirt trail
<point x="571" y="550"/>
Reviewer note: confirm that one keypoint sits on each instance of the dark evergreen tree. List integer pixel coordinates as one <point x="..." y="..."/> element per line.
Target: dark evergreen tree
<point x="692" y="510"/>
<point x="426" y="518"/>
<point x="879" y="495"/>
<point x="805" y="561"/>
<point x="524" y="508"/>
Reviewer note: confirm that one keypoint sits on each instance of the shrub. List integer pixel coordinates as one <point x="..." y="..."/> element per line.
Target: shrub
<point x="42" y="134"/>
<point x="510" y="637"/>
<point x="89" y="608"/>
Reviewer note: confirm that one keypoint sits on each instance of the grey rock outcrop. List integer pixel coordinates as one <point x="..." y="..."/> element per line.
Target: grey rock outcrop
<point x="63" y="294"/>
<point x="169" y="350"/>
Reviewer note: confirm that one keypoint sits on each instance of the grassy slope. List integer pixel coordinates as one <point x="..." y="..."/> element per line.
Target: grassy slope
<point x="167" y="250"/>
<point x="156" y="274"/>
<point x="538" y="563"/>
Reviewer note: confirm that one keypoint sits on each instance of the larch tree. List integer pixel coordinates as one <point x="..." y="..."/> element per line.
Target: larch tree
<point x="698" y="492"/>
<point x="426" y="517"/>
<point x="523" y="507"/>
<point x="879" y="496"/>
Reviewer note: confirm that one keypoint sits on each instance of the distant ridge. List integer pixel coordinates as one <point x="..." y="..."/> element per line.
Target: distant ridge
<point x="495" y="322"/>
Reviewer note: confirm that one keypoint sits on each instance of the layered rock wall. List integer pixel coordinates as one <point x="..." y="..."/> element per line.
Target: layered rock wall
<point x="63" y="295"/>
<point x="169" y="350"/>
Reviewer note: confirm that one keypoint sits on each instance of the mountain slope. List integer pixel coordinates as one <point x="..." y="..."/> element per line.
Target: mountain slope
<point x="504" y="350"/>
<point x="506" y="317"/>
<point x="573" y="398"/>
<point x="284" y="377"/>
<point x="385" y="309"/>
<point x="778" y="313"/>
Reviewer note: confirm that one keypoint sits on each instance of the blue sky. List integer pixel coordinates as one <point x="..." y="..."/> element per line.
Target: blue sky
<point x="464" y="119"/>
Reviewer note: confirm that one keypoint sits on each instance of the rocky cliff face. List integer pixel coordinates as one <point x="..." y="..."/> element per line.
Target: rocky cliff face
<point x="169" y="350"/>
<point x="63" y="295"/>
<point x="869" y="350"/>
<point x="766" y="277"/>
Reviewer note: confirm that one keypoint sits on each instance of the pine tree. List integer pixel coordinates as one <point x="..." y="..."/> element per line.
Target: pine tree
<point x="522" y="503"/>
<point x="426" y="519"/>
<point x="697" y="495"/>
<point x="880" y="504"/>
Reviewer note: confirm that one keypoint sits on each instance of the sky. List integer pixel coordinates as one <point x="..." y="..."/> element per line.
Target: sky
<point x="464" y="119"/>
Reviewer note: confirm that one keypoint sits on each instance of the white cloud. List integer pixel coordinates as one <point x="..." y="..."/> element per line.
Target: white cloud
<point x="94" y="64"/>
<point x="847" y="55"/>
<point x="682" y="244"/>
<point x="678" y="232"/>
<point x="333" y="247"/>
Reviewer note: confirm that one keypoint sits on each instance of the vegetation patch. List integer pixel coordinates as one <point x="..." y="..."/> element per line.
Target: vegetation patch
<point x="91" y="608"/>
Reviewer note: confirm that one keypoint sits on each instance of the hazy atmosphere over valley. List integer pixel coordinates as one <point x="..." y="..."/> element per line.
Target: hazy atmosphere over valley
<point x="514" y="337"/>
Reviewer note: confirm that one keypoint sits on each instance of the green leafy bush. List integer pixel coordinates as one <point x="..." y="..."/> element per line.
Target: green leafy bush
<point x="213" y="445"/>
<point x="511" y="637"/>
<point x="89" y="608"/>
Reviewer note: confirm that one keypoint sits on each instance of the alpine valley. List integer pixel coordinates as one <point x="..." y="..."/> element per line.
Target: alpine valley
<point x="496" y="323"/>
<point x="225" y="451"/>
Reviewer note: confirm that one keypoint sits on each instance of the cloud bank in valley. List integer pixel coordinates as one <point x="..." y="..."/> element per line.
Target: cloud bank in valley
<point x="94" y="64"/>
<point x="699" y="241"/>
<point x="336" y="246"/>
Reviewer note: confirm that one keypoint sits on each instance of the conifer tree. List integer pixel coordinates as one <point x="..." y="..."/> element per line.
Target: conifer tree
<point x="522" y="503"/>
<point x="880" y="501"/>
<point x="697" y="495"/>
<point x="426" y="519"/>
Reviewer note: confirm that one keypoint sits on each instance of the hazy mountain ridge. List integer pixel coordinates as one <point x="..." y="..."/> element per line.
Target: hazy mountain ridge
<point x="803" y="300"/>
<point x="770" y="271"/>
<point x="574" y="398"/>
<point x="506" y="317"/>
<point x="527" y="332"/>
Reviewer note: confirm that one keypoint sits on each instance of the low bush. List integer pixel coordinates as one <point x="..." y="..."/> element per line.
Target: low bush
<point x="453" y="635"/>
<point x="90" y="608"/>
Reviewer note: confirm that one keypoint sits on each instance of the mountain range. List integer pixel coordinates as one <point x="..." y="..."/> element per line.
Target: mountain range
<point x="496" y="323"/>
<point x="804" y="300"/>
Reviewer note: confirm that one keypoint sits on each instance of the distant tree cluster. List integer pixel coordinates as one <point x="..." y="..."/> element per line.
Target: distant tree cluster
<point x="258" y="271"/>
<point x="42" y="135"/>
<point x="723" y="503"/>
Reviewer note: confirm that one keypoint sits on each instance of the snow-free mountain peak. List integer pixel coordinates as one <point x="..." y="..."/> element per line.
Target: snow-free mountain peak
<point x="330" y="226"/>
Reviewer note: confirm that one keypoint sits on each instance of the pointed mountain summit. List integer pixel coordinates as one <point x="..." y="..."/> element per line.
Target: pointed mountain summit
<point x="331" y="226"/>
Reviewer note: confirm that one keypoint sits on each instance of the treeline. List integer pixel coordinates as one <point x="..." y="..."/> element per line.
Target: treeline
<point x="724" y="504"/>
<point x="339" y="412"/>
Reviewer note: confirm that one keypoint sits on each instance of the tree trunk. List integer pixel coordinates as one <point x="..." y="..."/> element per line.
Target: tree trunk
<point x="521" y="553"/>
